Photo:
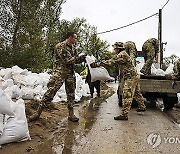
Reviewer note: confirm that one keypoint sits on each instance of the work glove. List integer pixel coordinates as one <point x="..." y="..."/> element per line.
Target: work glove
<point x="83" y="58"/>
<point x="93" y="65"/>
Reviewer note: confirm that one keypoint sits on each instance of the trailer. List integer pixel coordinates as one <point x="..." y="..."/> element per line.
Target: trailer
<point x="153" y="87"/>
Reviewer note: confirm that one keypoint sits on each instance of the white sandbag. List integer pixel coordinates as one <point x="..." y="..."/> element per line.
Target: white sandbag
<point x="60" y="96"/>
<point x="85" y="89"/>
<point x="13" y="91"/>
<point x="27" y="93"/>
<point x="6" y="104"/>
<point x="155" y="71"/>
<point x="16" y="129"/>
<point x="34" y="80"/>
<point x="139" y="67"/>
<point x="8" y="73"/>
<point x="78" y="82"/>
<point x="2" y="81"/>
<point x="2" y="117"/>
<point x="17" y="69"/>
<point x="7" y="83"/>
<point x="169" y="70"/>
<point x="44" y="78"/>
<point x="78" y="90"/>
<point x="99" y="73"/>
<point x="19" y="79"/>
<point x="3" y="121"/>
<point x="2" y="72"/>
<point x="178" y="95"/>
<point x="39" y="92"/>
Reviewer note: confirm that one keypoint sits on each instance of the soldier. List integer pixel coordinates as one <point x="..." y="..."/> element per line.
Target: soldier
<point x="176" y="69"/>
<point x="150" y="50"/>
<point x="131" y="50"/>
<point x="65" y="57"/>
<point x="131" y="87"/>
<point x="92" y="85"/>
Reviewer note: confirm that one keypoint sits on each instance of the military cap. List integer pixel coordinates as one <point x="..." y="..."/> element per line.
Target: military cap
<point x="119" y="45"/>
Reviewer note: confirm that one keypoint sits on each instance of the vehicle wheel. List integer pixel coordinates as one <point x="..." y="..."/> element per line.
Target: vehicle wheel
<point x="169" y="102"/>
<point x="152" y="104"/>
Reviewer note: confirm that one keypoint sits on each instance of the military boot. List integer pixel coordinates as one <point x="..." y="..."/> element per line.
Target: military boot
<point x="38" y="113"/>
<point x="72" y="117"/>
<point x="141" y="110"/>
<point x="121" y="117"/>
<point x="145" y="72"/>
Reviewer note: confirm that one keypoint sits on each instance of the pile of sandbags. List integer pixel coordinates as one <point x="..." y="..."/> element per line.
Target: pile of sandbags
<point x="13" y="122"/>
<point x="19" y="83"/>
<point x="155" y="70"/>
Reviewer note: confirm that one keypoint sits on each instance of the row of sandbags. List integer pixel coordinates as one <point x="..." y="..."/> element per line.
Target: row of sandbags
<point x="16" y="83"/>
<point x="19" y="83"/>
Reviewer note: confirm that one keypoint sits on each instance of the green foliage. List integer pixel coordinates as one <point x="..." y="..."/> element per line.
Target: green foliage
<point x="30" y="32"/>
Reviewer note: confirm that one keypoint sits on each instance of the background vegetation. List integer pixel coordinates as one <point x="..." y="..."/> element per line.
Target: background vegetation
<point x="29" y="31"/>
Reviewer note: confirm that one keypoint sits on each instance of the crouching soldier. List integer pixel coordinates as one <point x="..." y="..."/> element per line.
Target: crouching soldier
<point x="65" y="57"/>
<point x="131" y="87"/>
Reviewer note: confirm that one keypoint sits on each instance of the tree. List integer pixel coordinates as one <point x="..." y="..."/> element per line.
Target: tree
<point x="30" y="32"/>
<point x="30" y="23"/>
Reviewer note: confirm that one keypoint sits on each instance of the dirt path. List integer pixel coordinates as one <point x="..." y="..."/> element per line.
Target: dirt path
<point x="98" y="133"/>
<point x="131" y="137"/>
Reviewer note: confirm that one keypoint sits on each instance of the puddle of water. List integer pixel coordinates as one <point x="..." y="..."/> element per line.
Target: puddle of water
<point x="67" y="139"/>
<point x="70" y="136"/>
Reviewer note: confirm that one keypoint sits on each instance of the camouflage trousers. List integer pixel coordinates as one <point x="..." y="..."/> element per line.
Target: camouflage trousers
<point x="131" y="89"/>
<point x="149" y="55"/>
<point x="176" y="67"/>
<point x="54" y="84"/>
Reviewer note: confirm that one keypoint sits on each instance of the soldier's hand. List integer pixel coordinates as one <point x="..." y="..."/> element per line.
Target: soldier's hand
<point x="93" y="65"/>
<point x="83" y="57"/>
<point x="168" y="76"/>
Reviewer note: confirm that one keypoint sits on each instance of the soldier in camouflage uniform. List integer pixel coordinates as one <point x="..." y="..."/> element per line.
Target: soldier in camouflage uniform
<point x="150" y="50"/>
<point x="131" y="87"/>
<point x="131" y="50"/>
<point x="176" y="70"/>
<point x="65" y="57"/>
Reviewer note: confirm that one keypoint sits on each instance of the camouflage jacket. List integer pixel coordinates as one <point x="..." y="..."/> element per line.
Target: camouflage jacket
<point x="176" y="69"/>
<point x="152" y="42"/>
<point x="131" y="50"/>
<point x="125" y="64"/>
<point x="65" y="57"/>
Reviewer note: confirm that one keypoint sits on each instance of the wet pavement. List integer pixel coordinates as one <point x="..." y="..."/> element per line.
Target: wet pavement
<point x="98" y="133"/>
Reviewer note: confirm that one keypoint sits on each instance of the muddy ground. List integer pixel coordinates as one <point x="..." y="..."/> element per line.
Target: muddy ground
<point x="43" y="128"/>
<point x="50" y="120"/>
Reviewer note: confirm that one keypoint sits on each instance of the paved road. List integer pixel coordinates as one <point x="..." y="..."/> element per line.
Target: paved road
<point x="98" y="133"/>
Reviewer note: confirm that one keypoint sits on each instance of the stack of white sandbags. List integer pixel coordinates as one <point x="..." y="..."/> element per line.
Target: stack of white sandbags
<point x="19" y="83"/>
<point x="16" y="83"/>
<point x="160" y="72"/>
<point x="13" y="122"/>
<point x="155" y="70"/>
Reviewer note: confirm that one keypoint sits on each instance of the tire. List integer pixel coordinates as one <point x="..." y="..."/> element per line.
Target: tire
<point x="169" y="102"/>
